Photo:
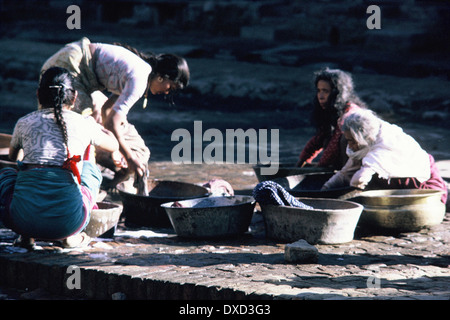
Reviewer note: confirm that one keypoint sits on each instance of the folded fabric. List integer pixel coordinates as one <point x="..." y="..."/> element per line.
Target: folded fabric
<point x="269" y="192"/>
<point x="47" y="204"/>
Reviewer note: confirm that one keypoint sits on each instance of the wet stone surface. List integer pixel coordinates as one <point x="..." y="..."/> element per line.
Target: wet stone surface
<point x="157" y="264"/>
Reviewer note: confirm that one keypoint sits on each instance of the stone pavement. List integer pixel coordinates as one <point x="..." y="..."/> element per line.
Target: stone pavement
<point x="156" y="264"/>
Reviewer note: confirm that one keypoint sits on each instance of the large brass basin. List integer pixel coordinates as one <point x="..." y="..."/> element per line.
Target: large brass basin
<point x="404" y="210"/>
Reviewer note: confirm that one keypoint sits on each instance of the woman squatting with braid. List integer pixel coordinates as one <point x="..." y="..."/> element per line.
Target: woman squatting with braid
<point x="52" y="194"/>
<point x="126" y="75"/>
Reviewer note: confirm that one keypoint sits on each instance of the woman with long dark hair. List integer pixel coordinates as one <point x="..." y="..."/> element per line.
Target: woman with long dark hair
<point x="334" y="98"/>
<point x="127" y="74"/>
<point x="54" y="191"/>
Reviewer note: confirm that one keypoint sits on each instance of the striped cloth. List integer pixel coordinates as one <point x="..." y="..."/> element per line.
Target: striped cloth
<point x="269" y="192"/>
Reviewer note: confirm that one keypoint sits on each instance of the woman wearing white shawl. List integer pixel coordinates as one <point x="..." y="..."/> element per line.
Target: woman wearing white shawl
<point x="383" y="156"/>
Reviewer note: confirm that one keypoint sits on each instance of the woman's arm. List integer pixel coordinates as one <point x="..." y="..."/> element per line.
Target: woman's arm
<point x="107" y="105"/>
<point x="362" y="177"/>
<point x="15" y="153"/>
<point x="343" y="177"/>
<point x="109" y="141"/>
<point x="114" y="122"/>
<point x="312" y="149"/>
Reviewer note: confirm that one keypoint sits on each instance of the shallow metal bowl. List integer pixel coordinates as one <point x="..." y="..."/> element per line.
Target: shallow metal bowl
<point x="141" y="210"/>
<point x="286" y="169"/>
<point x="104" y="220"/>
<point x="211" y="217"/>
<point x="330" y="221"/>
<point x="404" y="210"/>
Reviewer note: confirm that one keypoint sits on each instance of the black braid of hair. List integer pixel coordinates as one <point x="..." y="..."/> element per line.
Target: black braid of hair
<point x="57" y="110"/>
<point x="55" y="91"/>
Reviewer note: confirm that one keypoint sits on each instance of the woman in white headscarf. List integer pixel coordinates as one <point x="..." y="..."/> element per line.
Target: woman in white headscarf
<point x="383" y="156"/>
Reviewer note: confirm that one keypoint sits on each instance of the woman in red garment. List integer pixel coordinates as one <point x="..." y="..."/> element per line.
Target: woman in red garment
<point x="335" y="98"/>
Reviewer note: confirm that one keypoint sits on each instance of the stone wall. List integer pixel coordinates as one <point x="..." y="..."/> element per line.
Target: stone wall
<point x="406" y="25"/>
<point x="416" y="25"/>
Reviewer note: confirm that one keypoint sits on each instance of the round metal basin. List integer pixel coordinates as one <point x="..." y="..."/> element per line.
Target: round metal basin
<point x="104" y="220"/>
<point x="286" y="169"/>
<point x="140" y="210"/>
<point x="309" y="185"/>
<point x="330" y="222"/>
<point x="404" y="210"/>
<point x="211" y="217"/>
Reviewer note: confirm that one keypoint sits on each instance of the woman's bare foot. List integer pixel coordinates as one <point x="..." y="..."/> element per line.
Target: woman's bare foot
<point x="77" y="241"/>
